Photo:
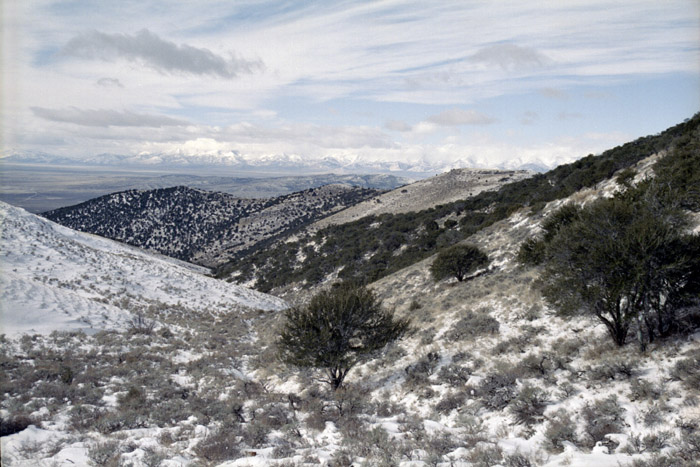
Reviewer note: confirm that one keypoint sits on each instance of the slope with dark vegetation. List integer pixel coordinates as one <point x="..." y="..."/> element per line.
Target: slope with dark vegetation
<point x="398" y="240"/>
<point x="203" y="227"/>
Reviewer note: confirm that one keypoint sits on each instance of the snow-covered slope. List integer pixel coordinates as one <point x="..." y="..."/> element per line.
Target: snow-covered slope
<point x="54" y="278"/>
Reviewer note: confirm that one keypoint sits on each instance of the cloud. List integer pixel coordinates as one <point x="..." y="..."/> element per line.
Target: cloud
<point x="569" y="115"/>
<point x="110" y="83"/>
<point x="455" y="117"/>
<point x="511" y="57"/>
<point x="553" y="93"/>
<point x="152" y="51"/>
<point x="308" y="135"/>
<point x="599" y="95"/>
<point x="397" y="125"/>
<point x="529" y="118"/>
<point x="105" y="118"/>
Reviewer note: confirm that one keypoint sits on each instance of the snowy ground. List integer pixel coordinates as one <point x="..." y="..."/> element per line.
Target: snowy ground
<point x="490" y="377"/>
<point x="54" y="278"/>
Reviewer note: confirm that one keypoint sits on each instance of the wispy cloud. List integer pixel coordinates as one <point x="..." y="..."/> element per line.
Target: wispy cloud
<point x="529" y="117"/>
<point x="511" y="57"/>
<point x="110" y="83"/>
<point x="105" y="118"/>
<point x="456" y="117"/>
<point x="405" y="77"/>
<point x="552" y="93"/>
<point x="150" y="50"/>
<point x="397" y="125"/>
<point x="564" y="115"/>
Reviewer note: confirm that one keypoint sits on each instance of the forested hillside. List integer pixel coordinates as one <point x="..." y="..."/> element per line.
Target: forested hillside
<point x="205" y="228"/>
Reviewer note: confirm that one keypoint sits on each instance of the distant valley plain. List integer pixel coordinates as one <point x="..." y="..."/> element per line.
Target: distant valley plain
<point x="42" y="187"/>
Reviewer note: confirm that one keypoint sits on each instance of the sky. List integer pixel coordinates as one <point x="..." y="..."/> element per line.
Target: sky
<point x="449" y="83"/>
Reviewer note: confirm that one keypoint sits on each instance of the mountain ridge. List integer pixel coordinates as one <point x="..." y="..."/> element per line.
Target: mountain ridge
<point x="288" y="163"/>
<point x="199" y="226"/>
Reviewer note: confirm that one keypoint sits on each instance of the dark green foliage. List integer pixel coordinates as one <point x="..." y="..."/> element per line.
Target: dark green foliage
<point x="559" y="219"/>
<point x="14" y="424"/>
<point x="625" y="177"/>
<point x="531" y="252"/>
<point x="338" y="329"/>
<point x="681" y="170"/>
<point x="625" y="260"/>
<point x="458" y="261"/>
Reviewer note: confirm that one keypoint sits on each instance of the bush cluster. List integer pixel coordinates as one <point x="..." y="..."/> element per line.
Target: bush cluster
<point x="471" y="325"/>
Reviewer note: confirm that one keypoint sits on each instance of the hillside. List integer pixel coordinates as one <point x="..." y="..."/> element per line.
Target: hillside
<point x="54" y="278"/>
<point x="205" y="228"/>
<point x="398" y="240"/>
<point x="448" y="187"/>
<point x="491" y="376"/>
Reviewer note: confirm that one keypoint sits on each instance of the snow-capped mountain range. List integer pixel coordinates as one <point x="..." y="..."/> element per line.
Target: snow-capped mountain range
<point x="288" y="163"/>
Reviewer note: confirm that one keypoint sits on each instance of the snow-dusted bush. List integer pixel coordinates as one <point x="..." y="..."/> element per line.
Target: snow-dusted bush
<point x="643" y="389"/>
<point x="485" y="455"/>
<point x="613" y="368"/>
<point x="417" y="373"/>
<point x="498" y="388"/>
<point x="538" y="365"/>
<point x="454" y="374"/>
<point x="602" y="417"/>
<point x="104" y="453"/>
<point x="517" y="460"/>
<point x="529" y="405"/>
<point x="687" y="370"/>
<point x="450" y="402"/>
<point x="560" y="428"/>
<point x="471" y="325"/>
<point x="221" y="445"/>
<point x="515" y="344"/>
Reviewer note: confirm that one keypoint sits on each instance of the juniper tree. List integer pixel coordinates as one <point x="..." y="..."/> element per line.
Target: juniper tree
<point x="627" y="260"/>
<point x="338" y="329"/>
<point x="458" y="261"/>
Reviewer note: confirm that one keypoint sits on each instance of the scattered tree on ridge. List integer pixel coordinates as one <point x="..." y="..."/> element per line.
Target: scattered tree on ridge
<point x="338" y="329"/>
<point x="458" y="261"/>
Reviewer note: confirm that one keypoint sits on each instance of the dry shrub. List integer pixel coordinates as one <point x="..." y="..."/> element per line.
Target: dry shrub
<point x="220" y="446"/>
